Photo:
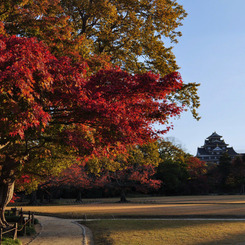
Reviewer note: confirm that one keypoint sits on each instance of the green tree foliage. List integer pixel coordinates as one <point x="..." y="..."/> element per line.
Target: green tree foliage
<point x="174" y="176"/>
<point x="180" y="172"/>
<point x="140" y="155"/>
<point x="236" y="177"/>
<point x="224" y="169"/>
<point x="171" y="151"/>
<point x="172" y="169"/>
<point x="133" y="170"/>
<point x="221" y="177"/>
<point x="146" y="154"/>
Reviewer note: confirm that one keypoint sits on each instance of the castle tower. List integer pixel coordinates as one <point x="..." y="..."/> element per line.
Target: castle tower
<point x="213" y="149"/>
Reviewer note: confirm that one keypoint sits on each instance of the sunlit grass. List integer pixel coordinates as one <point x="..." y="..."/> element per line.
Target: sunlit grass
<point x="172" y="232"/>
<point x="208" y="206"/>
<point x="158" y="232"/>
<point x="205" y="199"/>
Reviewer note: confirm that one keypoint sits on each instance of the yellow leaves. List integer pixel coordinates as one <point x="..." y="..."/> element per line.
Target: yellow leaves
<point x="2" y="29"/>
<point x="188" y="97"/>
<point x="141" y="155"/>
<point x="94" y="165"/>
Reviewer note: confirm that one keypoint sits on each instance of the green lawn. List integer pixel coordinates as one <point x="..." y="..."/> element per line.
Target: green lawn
<point x="171" y="232"/>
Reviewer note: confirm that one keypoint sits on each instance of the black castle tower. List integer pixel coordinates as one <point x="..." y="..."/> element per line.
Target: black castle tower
<point x="213" y="149"/>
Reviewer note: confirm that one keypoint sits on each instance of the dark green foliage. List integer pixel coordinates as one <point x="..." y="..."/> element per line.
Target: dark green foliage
<point x="12" y="219"/>
<point x="224" y="169"/>
<point x="30" y="230"/>
<point x="174" y="175"/>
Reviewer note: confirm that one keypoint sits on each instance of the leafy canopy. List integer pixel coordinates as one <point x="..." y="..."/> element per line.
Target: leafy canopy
<point x="132" y="33"/>
<point x="50" y="108"/>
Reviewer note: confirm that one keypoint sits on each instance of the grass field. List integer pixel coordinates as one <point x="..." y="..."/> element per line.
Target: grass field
<point x="158" y="232"/>
<point x="190" y="206"/>
<point x="162" y="232"/>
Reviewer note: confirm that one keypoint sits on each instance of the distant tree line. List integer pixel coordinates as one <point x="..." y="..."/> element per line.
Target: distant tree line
<point x="160" y="168"/>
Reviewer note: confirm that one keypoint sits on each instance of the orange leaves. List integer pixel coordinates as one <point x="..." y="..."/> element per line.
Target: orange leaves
<point x="2" y="30"/>
<point x="196" y="167"/>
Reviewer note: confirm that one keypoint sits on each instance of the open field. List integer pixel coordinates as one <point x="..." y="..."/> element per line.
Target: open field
<point x="158" y="232"/>
<point x="171" y="232"/>
<point x="187" y="206"/>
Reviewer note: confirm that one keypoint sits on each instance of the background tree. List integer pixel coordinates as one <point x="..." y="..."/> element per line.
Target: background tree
<point x="139" y="178"/>
<point x="169" y="150"/>
<point x="224" y="169"/>
<point x="197" y="181"/>
<point x="180" y="172"/>
<point x="133" y="170"/>
<point x="236" y="178"/>
<point x="77" y="176"/>
<point x="174" y="176"/>
<point x="127" y="30"/>
<point x="172" y="170"/>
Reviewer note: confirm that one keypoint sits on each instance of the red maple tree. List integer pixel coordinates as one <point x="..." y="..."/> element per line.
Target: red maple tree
<point x="138" y="177"/>
<point x="197" y="170"/>
<point x="78" y="177"/>
<point x="50" y="107"/>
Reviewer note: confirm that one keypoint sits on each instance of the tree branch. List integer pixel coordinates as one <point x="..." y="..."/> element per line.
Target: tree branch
<point x="5" y="145"/>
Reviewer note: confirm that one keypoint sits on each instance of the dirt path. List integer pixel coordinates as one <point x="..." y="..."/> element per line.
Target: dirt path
<point x="60" y="231"/>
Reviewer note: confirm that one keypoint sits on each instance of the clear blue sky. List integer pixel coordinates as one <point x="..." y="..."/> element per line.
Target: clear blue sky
<point x="212" y="52"/>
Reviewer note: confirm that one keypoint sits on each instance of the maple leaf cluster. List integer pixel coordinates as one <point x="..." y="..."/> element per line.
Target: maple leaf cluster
<point x="196" y="167"/>
<point x="76" y="176"/>
<point x="23" y="78"/>
<point x="141" y="177"/>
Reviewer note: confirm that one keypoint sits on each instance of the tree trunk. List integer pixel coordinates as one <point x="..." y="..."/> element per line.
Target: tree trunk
<point x="242" y="190"/>
<point x="33" y="199"/>
<point x="79" y="197"/>
<point x="6" y="194"/>
<point x="123" y="197"/>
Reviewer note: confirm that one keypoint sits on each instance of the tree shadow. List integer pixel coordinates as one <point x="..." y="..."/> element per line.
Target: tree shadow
<point x="229" y="236"/>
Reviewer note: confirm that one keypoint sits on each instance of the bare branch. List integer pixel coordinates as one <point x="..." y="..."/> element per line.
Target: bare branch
<point x="5" y="145"/>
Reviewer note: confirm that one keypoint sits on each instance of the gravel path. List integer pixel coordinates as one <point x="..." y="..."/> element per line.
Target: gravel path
<point x="61" y="231"/>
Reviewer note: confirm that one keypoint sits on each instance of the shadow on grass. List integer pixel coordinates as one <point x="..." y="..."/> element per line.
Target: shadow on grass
<point x="189" y="232"/>
<point x="237" y="239"/>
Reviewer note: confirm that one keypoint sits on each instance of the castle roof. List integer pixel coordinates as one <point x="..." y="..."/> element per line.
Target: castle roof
<point x="231" y="151"/>
<point x="214" y="135"/>
<point x="217" y="149"/>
